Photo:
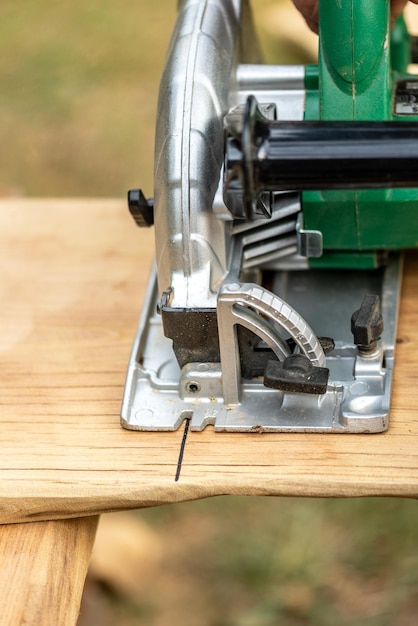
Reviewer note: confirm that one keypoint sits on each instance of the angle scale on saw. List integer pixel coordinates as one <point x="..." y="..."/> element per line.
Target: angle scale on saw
<point x="284" y="196"/>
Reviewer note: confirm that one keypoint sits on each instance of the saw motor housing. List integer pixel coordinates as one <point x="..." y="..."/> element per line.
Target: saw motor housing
<point x="283" y="198"/>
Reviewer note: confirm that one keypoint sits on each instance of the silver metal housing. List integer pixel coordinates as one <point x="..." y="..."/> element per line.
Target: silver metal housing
<point x="207" y="260"/>
<point x="210" y="68"/>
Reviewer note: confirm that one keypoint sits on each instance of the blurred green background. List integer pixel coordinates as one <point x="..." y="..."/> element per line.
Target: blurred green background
<point x="254" y="561"/>
<point x="78" y="90"/>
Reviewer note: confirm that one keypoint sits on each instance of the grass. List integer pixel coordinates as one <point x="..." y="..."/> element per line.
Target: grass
<point x="78" y="98"/>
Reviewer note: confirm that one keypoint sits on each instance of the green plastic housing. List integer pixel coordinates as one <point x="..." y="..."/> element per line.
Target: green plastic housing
<point x="361" y="65"/>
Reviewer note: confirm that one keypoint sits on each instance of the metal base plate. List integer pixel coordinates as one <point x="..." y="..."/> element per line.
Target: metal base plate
<point x="158" y="396"/>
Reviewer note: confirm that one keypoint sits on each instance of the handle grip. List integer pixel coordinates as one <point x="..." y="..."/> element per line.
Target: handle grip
<point x="354" y="59"/>
<point x="278" y="156"/>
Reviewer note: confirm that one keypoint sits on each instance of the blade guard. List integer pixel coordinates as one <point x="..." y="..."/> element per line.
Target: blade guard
<point x="192" y="245"/>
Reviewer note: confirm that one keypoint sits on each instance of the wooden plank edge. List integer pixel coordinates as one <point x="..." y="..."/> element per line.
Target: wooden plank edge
<point x="32" y="508"/>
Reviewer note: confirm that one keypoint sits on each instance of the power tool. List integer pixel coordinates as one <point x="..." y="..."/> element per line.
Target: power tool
<point x="283" y="199"/>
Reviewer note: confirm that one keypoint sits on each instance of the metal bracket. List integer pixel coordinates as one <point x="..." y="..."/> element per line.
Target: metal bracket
<point x="309" y="241"/>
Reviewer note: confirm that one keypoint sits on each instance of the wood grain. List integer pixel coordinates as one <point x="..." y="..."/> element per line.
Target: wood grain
<point x="73" y="274"/>
<point x="44" y="566"/>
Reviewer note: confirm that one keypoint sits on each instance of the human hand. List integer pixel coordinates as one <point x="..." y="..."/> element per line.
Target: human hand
<point x="309" y="10"/>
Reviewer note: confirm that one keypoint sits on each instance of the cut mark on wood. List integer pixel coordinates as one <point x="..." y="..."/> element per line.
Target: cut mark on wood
<point x="182" y="446"/>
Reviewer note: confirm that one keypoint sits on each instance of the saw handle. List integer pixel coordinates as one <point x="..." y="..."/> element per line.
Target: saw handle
<point x="354" y="59"/>
<point x="277" y="156"/>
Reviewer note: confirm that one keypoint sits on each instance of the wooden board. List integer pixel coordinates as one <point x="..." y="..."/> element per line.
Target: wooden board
<point x="72" y="279"/>
<point x="43" y="569"/>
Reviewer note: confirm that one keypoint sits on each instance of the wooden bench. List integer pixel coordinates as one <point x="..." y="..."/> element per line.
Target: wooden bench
<point x="73" y="273"/>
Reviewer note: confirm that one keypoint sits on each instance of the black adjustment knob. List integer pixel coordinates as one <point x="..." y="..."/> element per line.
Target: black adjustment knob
<point x="296" y="373"/>
<point x="367" y="324"/>
<point x="141" y="209"/>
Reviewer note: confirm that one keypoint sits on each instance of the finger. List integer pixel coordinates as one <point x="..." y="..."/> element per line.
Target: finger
<point x="396" y="8"/>
<point x="309" y="10"/>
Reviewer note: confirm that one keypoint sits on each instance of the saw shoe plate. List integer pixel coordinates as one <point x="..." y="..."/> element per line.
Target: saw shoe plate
<point x="160" y="396"/>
